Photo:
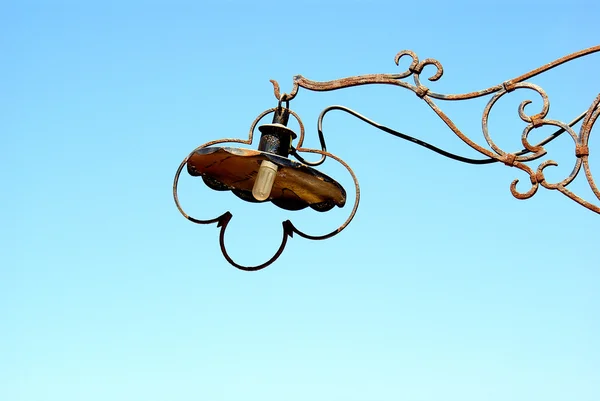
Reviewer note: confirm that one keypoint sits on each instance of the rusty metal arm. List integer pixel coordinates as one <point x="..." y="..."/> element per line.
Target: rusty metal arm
<point x="492" y="153"/>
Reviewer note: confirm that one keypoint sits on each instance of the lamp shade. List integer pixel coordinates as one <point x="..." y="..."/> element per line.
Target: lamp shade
<point x="296" y="185"/>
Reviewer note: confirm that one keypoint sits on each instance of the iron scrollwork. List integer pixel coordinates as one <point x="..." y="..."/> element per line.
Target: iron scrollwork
<point x="519" y="159"/>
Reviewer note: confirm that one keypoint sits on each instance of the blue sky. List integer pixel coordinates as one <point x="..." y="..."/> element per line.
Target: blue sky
<point x="444" y="287"/>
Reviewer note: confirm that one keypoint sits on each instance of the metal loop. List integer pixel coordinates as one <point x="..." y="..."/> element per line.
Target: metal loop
<point x="283" y="98"/>
<point x="421" y="91"/>
<point x="509" y="159"/>
<point x="508" y="86"/>
<point x="582" y="150"/>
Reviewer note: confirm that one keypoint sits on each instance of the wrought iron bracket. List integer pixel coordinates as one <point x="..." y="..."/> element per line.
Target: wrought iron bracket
<point x="519" y="159"/>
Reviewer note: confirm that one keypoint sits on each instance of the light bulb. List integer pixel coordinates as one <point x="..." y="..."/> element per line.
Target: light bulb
<point x="264" y="180"/>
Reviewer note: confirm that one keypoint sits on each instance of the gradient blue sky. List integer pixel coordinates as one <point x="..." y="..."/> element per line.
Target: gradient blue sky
<point x="445" y="287"/>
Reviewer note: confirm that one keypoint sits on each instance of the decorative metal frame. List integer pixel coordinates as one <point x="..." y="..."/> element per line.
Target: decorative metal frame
<point x="288" y="227"/>
<point x="519" y="159"/>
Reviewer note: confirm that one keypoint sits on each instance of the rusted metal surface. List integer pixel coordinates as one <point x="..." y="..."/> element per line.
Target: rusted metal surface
<point x="492" y="151"/>
<point x="296" y="186"/>
<point x="238" y="174"/>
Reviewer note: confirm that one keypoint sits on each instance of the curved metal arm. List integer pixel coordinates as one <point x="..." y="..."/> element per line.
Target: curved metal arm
<point x="493" y="153"/>
<point x="415" y="70"/>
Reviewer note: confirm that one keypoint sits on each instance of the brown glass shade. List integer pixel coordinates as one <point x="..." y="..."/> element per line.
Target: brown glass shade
<point x="296" y="186"/>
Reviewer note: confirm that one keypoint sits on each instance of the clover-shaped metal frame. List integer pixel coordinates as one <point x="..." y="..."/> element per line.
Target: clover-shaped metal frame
<point x="288" y="227"/>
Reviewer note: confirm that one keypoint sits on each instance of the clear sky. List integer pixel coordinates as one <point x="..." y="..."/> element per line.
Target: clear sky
<point x="444" y="287"/>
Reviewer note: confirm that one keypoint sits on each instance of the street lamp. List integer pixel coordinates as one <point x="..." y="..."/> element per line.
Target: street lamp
<point x="268" y="174"/>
